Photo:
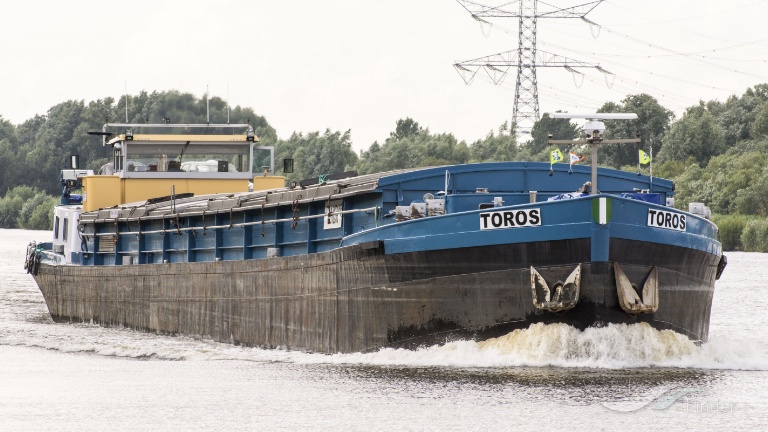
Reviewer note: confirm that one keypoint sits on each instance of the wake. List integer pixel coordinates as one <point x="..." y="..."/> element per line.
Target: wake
<point x="616" y="346"/>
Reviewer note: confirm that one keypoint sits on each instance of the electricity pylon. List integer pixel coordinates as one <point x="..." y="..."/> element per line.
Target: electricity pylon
<point x="526" y="58"/>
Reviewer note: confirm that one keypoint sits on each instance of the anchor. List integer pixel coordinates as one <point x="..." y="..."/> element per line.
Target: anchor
<point x="629" y="300"/>
<point x="566" y="294"/>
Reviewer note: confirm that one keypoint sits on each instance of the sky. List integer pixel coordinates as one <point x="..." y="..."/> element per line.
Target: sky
<point x="361" y="65"/>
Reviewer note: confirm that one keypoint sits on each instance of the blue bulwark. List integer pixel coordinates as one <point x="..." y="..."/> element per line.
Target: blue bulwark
<point x="652" y="198"/>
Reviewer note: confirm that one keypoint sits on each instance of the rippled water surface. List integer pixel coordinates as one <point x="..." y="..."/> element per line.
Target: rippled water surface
<point x="549" y="377"/>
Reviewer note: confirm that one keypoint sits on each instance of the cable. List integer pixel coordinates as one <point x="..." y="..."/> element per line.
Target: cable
<point x="634" y="39"/>
<point x="655" y="74"/>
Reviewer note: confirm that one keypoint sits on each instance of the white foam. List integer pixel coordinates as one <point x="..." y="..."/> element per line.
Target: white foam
<point x="616" y="346"/>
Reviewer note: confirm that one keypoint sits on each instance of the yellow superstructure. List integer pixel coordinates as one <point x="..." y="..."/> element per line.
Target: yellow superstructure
<point x="100" y="191"/>
<point x="268" y="182"/>
<point x="152" y="165"/>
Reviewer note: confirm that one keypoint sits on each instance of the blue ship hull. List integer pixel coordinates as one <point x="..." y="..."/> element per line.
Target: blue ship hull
<point x="374" y="281"/>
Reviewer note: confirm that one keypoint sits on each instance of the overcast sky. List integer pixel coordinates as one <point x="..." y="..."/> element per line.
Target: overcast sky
<point x="308" y="65"/>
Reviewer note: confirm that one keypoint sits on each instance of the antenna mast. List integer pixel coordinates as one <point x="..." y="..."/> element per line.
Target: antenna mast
<point x="593" y="129"/>
<point x="526" y="58"/>
<point x="227" y="102"/>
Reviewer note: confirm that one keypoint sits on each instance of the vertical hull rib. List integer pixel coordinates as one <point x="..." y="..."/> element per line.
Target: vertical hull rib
<point x="358" y="298"/>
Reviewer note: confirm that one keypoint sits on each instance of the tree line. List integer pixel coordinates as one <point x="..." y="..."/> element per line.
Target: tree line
<point x="715" y="152"/>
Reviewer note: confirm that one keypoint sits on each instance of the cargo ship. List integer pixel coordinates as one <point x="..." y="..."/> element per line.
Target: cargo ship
<point x="181" y="237"/>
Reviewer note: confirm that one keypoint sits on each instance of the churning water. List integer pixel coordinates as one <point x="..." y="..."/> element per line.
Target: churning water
<point x="547" y="377"/>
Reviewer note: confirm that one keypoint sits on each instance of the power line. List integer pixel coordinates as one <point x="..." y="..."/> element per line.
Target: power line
<point x="683" y="29"/>
<point x="693" y="53"/>
<point x="652" y="73"/>
<point x="717" y="13"/>
<point x="678" y="53"/>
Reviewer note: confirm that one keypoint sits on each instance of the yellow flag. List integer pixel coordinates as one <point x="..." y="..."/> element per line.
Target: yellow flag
<point x="644" y="158"/>
<point x="555" y="156"/>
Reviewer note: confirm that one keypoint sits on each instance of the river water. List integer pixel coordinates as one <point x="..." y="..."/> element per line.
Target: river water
<point x="62" y="377"/>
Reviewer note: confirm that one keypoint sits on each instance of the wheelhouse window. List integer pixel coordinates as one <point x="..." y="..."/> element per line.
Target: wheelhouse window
<point x="56" y="228"/>
<point x="184" y="157"/>
<point x="66" y="226"/>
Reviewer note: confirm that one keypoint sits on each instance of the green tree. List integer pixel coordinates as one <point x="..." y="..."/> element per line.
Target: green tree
<point x="759" y="128"/>
<point x="736" y="117"/>
<point x="560" y="129"/>
<point x="498" y="148"/>
<point x="41" y="217"/>
<point x="730" y="228"/>
<point x="7" y="130"/>
<point x="9" y="211"/>
<point x="730" y="183"/>
<point x="696" y="134"/>
<point x="25" y="215"/>
<point x="368" y="158"/>
<point x="411" y="146"/>
<point x="54" y="142"/>
<point x="439" y="149"/>
<point x="315" y="154"/>
<point x="754" y="198"/>
<point x="405" y="128"/>
<point x="13" y="204"/>
<point x="754" y="238"/>
<point x="26" y="133"/>
<point x="9" y="160"/>
<point x="652" y="123"/>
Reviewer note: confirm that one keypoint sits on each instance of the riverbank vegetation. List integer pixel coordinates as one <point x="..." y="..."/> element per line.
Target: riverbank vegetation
<point x="715" y="152"/>
<point x="28" y="208"/>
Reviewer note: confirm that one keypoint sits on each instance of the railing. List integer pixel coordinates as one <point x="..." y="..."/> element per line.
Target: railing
<point x="230" y="225"/>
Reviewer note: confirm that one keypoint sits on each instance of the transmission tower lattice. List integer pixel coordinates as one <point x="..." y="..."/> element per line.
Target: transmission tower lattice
<point x="527" y="58"/>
